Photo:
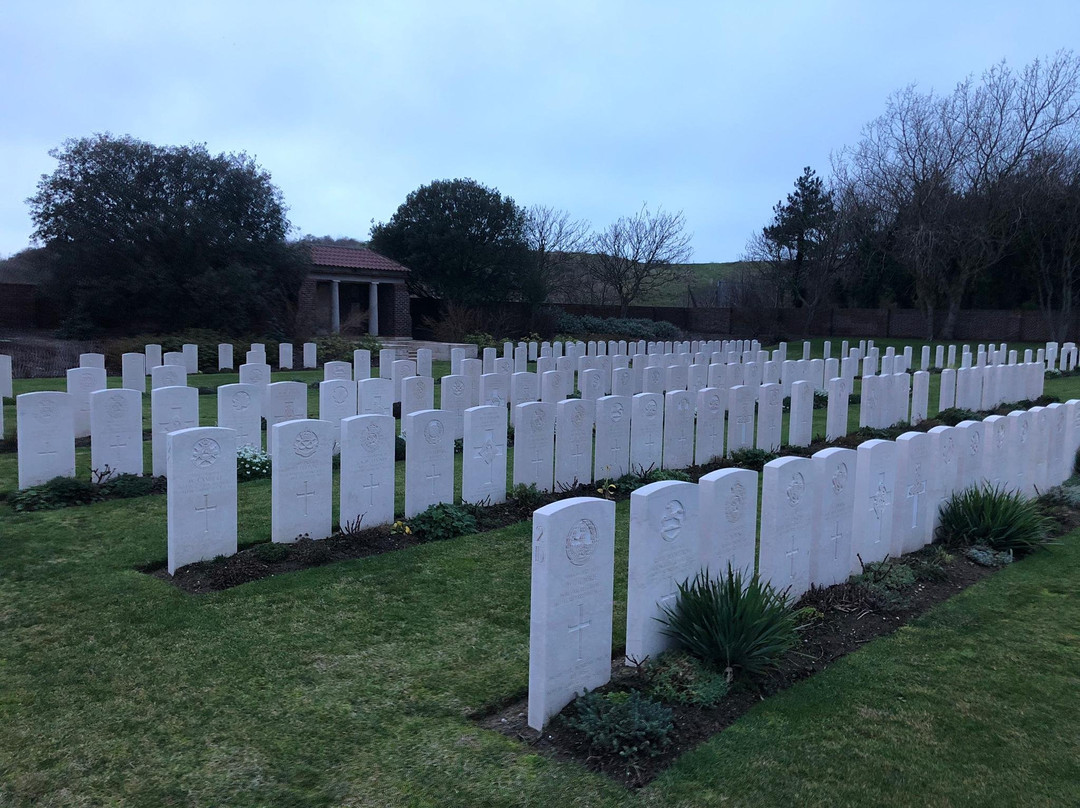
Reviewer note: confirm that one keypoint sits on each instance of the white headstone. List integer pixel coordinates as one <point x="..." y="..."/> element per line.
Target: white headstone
<point x="678" y="429"/>
<point x="570" y="618"/>
<point x="830" y="552"/>
<point x="81" y="382"/>
<point x="729" y="508"/>
<point x="483" y="464"/>
<point x="6" y="390"/>
<point x="787" y="502"/>
<point x="770" y="417"/>
<point x="920" y="396"/>
<point x="534" y="444"/>
<point x="337" y="370"/>
<point x="429" y="461"/>
<point x="92" y="360"/>
<point x="361" y="364"/>
<point x="740" y="418"/>
<point x="646" y="432"/>
<point x="574" y="421"/>
<point x="116" y="432"/>
<point x="709" y="434"/>
<point x="133" y="372"/>
<point x="524" y="387"/>
<point x="367" y="470"/>
<point x="167" y="376"/>
<point x="875" y="492"/>
<point x="201" y="499"/>
<point x="153" y="356"/>
<point x="238" y="410"/>
<point x="836" y="416"/>
<point x="454" y="399"/>
<point x="225" y="356"/>
<point x="171" y="410"/>
<point x="375" y="396"/>
<point x="285" y="356"/>
<point x="801" y="424"/>
<point x="665" y="551"/>
<point x="612" y="458"/>
<point x="45" y="431"/>
<point x="337" y="400"/>
<point x="913" y="516"/>
<point x="417" y="393"/>
<point x="286" y="401"/>
<point x="311" y="360"/>
<point x="301" y="484"/>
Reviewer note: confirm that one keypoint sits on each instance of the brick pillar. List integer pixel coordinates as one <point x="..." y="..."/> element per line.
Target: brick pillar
<point x="400" y="324"/>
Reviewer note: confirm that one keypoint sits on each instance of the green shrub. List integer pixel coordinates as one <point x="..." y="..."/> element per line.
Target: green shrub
<point x="59" y="492"/>
<point x="987" y="557"/>
<point x="481" y="340"/>
<point x="999" y="519"/>
<point x="740" y="627"/>
<point x="751" y="458"/>
<point x="338" y="348"/>
<point x="629" y="725"/>
<point x="252" y="464"/>
<point x="953" y="415"/>
<point x="528" y="497"/>
<point x="126" y="486"/>
<point x="271" y="552"/>
<point x="443" y="521"/>
<point x="682" y="679"/>
<point x="886" y="582"/>
<point x="1066" y="496"/>
<point x="929" y="563"/>
<point x="584" y="325"/>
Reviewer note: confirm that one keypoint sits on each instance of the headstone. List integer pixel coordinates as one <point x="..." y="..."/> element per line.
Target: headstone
<point x="175" y="358"/>
<point x="429" y="461"/>
<point x="574" y="420"/>
<point x="454" y="399"/>
<point x="740" y="418"/>
<point x="337" y="370"/>
<point x="423" y="362"/>
<point x="417" y="393"/>
<point x="337" y="400"/>
<point x="836" y="415"/>
<point x="495" y="389"/>
<point x="361" y="364"/>
<point x="171" y="409"/>
<point x="678" y="429"/>
<point x="258" y="374"/>
<point x="133" y="372"/>
<point x="238" y="410"/>
<point x="367" y="470"/>
<point x="285" y="356"/>
<point x="287" y="401"/>
<point x="472" y="369"/>
<point x="201" y="498"/>
<point x="612" y="459"/>
<point x="646" y="432"/>
<point x="225" y="356"/>
<point x="92" y="360"/>
<point x="45" y="432"/>
<point x="947" y="393"/>
<point x="554" y="386"/>
<point x="729" y="508"/>
<point x="801" y="424"/>
<point x="913" y="517"/>
<point x="709" y="434"/>
<point x="81" y="382"/>
<point x="788" y="491"/>
<point x="401" y="369"/>
<point x="524" y="387"/>
<point x="153" y="356"/>
<point x="570" y="619"/>
<point x="830" y="550"/>
<point x="457" y="356"/>
<point x="665" y="551"/>
<point x="969" y="443"/>
<point x="920" y="396"/>
<point x="116" y="444"/>
<point x="167" y="376"/>
<point x="770" y="417"/>
<point x="301" y="480"/>
<point x="875" y="492"/>
<point x="483" y="465"/>
<point x="310" y="355"/>
<point x="534" y="444"/>
<point x="375" y="396"/>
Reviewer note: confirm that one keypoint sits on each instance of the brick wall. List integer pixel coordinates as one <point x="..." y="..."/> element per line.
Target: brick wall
<point x="305" y="309"/>
<point x="399" y="322"/>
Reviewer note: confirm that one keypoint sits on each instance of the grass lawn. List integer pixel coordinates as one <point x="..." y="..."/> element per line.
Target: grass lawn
<point x="353" y="683"/>
<point x="701" y="278"/>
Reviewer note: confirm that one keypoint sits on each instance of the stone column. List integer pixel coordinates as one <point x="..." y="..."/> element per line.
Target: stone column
<point x="335" y="307"/>
<point x="373" y="308"/>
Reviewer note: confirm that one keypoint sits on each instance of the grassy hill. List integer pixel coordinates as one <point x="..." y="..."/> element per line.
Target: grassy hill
<point x="702" y="281"/>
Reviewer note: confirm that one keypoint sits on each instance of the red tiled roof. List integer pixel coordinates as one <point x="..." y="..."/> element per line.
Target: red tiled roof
<point x="353" y="258"/>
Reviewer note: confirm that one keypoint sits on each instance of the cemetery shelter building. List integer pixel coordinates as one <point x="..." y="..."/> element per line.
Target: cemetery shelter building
<point x="354" y="290"/>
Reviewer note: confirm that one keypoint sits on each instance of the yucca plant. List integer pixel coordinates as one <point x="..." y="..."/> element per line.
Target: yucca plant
<point x="740" y="626"/>
<point x="994" y="517"/>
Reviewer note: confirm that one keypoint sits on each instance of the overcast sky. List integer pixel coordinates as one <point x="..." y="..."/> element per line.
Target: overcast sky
<point x="711" y="108"/>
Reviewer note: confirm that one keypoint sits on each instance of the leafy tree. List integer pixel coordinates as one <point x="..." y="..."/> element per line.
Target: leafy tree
<point x="462" y="241"/>
<point x="639" y="254"/>
<point x="166" y="237"/>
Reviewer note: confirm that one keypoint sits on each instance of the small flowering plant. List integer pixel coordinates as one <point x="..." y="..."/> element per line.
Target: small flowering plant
<point x="252" y="464"/>
<point x="399" y="528"/>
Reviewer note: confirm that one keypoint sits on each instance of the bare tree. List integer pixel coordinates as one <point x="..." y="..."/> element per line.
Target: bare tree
<point x="938" y="167"/>
<point x="556" y="243"/>
<point x="639" y="254"/>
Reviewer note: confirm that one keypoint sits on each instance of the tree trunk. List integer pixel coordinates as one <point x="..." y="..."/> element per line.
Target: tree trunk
<point x="948" y="328"/>
<point x="929" y="308"/>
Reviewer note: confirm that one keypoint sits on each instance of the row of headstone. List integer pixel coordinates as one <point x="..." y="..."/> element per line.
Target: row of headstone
<point x="822" y="518"/>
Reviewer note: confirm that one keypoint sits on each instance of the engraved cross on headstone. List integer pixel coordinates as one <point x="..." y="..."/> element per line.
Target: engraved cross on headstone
<point x="371" y="487"/>
<point x="835" y="538"/>
<point x="914" y="491"/>
<point x="434" y="477"/>
<point x="205" y="511"/>
<point x="879" y="501"/>
<point x="581" y="625"/>
<point x="306" y="494"/>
